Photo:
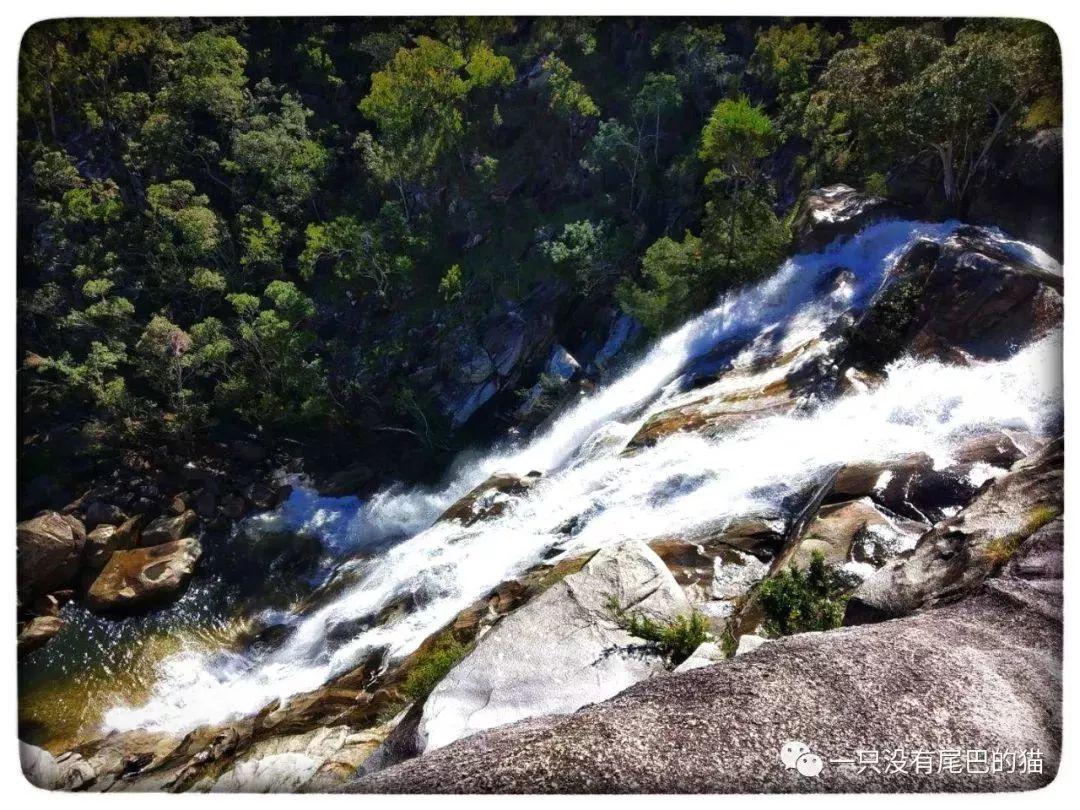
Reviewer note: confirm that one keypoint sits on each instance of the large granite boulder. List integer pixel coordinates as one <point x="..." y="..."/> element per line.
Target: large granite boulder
<point x="956" y="555"/>
<point x="48" y="553"/>
<point x="138" y="578"/>
<point x="318" y="760"/>
<point x="39" y="766"/>
<point x="850" y="531"/>
<point x="837" y="210"/>
<point x="892" y="690"/>
<point x="966" y="298"/>
<point x="558" y="652"/>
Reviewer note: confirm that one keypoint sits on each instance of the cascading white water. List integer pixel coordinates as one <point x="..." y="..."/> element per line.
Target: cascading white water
<point x="686" y="484"/>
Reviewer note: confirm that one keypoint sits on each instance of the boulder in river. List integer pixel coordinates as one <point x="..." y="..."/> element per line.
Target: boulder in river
<point x="105" y="539"/>
<point x="560" y="651"/>
<point x="966" y="298"/>
<point x="49" y="550"/>
<point x="490" y="498"/>
<point x="37" y="633"/>
<point x="168" y="528"/>
<point x="142" y="577"/>
<point x="840" y="530"/>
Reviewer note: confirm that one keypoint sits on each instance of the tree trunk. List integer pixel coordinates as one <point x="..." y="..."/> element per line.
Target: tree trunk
<point x="948" y="175"/>
<point x="731" y="224"/>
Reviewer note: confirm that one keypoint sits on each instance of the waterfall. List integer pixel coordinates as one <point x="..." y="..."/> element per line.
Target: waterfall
<point x="686" y="484"/>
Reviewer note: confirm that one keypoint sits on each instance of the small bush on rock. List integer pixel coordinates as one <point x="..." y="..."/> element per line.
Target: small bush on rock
<point x="1001" y="549"/>
<point x="676" y="640"/>
<point x="797" y="601"/>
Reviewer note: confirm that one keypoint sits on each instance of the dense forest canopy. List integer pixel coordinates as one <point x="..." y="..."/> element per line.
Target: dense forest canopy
<point x="264" y="224"/>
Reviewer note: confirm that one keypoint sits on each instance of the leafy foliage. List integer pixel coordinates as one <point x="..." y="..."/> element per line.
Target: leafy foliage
<point x="796" y="601"/>
<point x="302" y="199"/>
<point x="676" y="639"/>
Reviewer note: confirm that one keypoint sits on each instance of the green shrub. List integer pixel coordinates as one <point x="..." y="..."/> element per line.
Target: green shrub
<point x="432" y="666"/>
<point x="676" y="640"/>
<point x="797" y="601"/>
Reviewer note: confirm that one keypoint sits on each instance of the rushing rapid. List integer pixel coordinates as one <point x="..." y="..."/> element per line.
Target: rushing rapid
<point x="686" y="484"/>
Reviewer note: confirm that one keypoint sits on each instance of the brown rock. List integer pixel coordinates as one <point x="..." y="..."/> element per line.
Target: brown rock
<point x="100" y="544"/>
<point x="713" y="416"/>
<point x="831" y="533"/>
<point x="859" y="479"/>
<point x="167" y="529"/>
<point x="138" y="578"/>
<point x="489" y="498"/>
<point x="998" y="449"/>
<point x="37" y="633"/>
<point x="177" y="506"/>
<point x="49" y="552"/>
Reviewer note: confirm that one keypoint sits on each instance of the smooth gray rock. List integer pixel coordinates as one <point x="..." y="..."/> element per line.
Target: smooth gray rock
<point x="623" y="331"/>
<point x="707" y="654"/>
<point x="749" y="642"/>
<point x="276" y="773"/>
<point x="982" y="675"/>
<point x="560" y="651"/>
<point x="39" y="766"/>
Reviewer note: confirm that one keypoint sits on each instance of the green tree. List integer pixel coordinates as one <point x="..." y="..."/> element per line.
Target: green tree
<point x="786" y="58"/>
<point x="277" y="151"/>
<point x="797" y="601"/>
<point x="910" y="91"/>
<point x="615" y="144"/>
<point x="416" y="102"/>
<point x="567" y="97"/>
<point x="671" y="286"/>
<point x="658" y="98"/>
<point x="583" y="252"/>
<point x="739" y="223"/>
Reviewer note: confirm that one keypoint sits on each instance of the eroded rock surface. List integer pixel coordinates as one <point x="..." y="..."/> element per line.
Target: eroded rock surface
<point x="48" y="553"/>
<point x="882" y="687"/>
<point x="959" y="553"/>
<point x="142" y="577"/>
